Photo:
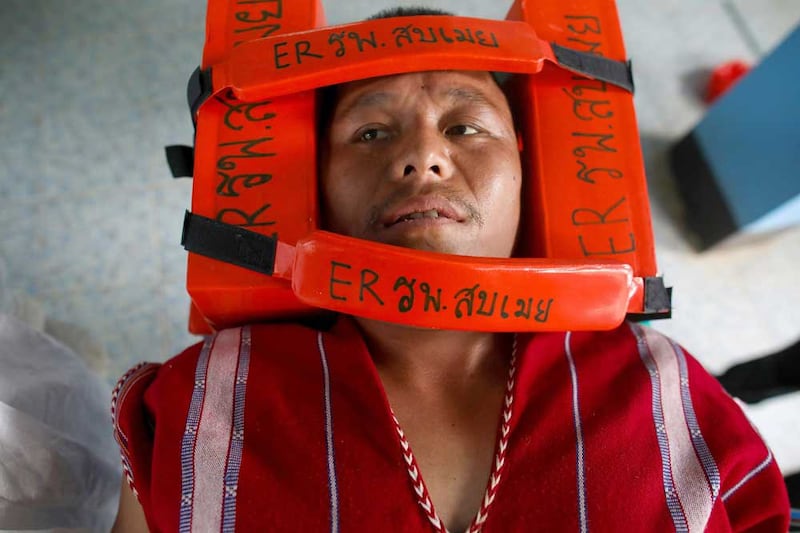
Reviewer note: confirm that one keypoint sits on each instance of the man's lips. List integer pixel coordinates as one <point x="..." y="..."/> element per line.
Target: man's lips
<point x="422" y="209"/>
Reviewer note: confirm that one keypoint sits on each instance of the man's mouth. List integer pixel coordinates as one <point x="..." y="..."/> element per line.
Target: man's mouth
<point x="431" y="213"/>
<point x="428" y="209"/>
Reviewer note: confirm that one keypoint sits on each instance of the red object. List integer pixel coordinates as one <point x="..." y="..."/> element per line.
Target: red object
<point x="284" y="428"/>
<point x="723" y="78"/>
<point x="459" y="293"/>
<point x="585" y="204"/>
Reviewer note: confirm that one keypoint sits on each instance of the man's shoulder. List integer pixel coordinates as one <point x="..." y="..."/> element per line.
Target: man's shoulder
<point x="630" y="343"/>
<point x="263" y="340"/>
<point x="162" y="394"/>
<point x="627" y="344"/>
<point x="659" y="373"/>
<point x="641" y="358"/>
<point x="269" y="341"/>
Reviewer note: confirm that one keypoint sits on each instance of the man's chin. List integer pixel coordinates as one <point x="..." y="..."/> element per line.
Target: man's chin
<point x="427" y="243"/>
<point x="453" y="239"/>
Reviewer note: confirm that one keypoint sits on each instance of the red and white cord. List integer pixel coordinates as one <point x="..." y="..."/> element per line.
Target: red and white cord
<point x="423" y="497"/>
<point x="117" y="395"/>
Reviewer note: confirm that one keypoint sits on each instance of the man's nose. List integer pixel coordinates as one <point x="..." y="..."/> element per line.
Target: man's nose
<point x="424" y="154"/>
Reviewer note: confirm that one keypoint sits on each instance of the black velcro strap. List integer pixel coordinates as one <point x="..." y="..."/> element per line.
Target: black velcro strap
<point x="229" y="243"/>
<point x="597" y="67"/>
<point x="657" y="301"/>
<point x="198" y="90"/>
<point x="180" y="159"/>
<point x="657" y="297"/>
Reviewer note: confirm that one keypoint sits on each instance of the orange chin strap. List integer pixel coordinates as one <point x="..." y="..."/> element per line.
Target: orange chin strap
<point x="435" y="290"/>
<point x="256" y="250"/>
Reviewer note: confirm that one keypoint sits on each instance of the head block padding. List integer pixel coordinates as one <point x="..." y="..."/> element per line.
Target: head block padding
<point x="585" y="203"/>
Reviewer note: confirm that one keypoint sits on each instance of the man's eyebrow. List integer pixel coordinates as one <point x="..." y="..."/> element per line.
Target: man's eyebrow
<point x="381" y="98"/>
<point x="471" y="95"/>
<point x="368" y="99"/>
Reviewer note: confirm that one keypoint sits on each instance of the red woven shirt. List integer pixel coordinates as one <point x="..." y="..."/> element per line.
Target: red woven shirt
<point x="285" y="428"/>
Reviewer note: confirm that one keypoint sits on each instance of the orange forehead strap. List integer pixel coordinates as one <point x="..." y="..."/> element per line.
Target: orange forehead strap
<point x="285" y="64"/>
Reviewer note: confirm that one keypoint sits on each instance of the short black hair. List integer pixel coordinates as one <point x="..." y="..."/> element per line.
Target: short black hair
<point x="408" y="12"/>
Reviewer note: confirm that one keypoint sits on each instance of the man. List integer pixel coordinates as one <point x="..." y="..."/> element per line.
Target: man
<point x="547" y="431"/>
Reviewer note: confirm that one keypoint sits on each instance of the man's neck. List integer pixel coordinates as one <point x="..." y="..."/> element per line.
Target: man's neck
<point x="423" y="358"/>
<point x="446" y="390"/>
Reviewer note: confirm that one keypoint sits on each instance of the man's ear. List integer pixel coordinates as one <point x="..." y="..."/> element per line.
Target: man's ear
<point x="520" y="143"/>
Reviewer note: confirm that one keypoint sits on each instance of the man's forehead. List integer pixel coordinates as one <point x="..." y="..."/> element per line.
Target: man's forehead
<point x="458" y="87"/>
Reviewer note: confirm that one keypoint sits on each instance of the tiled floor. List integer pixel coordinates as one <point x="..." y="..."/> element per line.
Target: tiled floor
<point x="90" y="93"/>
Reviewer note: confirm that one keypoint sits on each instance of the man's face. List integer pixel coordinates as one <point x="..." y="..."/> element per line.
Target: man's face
<point x="427" y="160"/>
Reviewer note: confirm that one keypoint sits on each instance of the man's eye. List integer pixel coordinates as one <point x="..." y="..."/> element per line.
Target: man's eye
<point x="372" y="134"/>
<point x="461" y="129"/>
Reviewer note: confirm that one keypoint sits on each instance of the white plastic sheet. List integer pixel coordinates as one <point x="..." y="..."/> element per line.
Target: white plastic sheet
<point x="59" y="464"/>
